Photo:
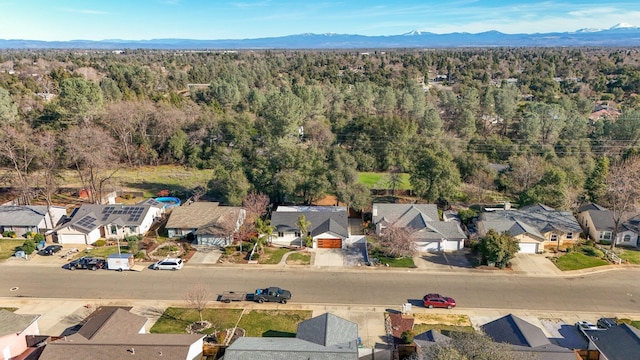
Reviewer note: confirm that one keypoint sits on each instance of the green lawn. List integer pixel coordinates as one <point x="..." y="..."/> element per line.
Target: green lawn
<point x="402" y="262"/>
<point x="272" y="255"/>
<point x="577" y="260"/>
<point x="631" y="255"/>
<point x="273" y="323"/>
<point x="375" y="180"/>
<point x="299" y="259"/>
<point x="103" y="251"/>
<point x="8" y="247"/>
<point x="175" y="320"/>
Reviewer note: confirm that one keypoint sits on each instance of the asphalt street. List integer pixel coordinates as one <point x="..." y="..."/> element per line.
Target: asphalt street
<point x="608" y="292"/>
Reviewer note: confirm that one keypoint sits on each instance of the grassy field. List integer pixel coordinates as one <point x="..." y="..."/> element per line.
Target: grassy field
<point x="272" y="255"/>
<point x="577" y="261"/>
<point x="273" y="323"/>
<point x="631" y="255"/>
<point x="442" y="322"/>
<point x="150" y="179"/>
<point x="8" y="247"/>
<point x="381" y="180"/>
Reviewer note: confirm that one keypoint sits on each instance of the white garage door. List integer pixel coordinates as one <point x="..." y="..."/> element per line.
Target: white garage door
<point x="71" y="239"/>
<point x="429" y="246"/>
<point x="451" y="245"/>
<point x="529" y="248"/>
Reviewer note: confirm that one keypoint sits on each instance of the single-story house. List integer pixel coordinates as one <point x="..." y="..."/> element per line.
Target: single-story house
<point x="526" y="339"/>
<point x="113" y="332"/>
<point x="619" y="342"/>
<point x="92" y="222"/>
<point x="323" y="337"/>
<point x="428" y="231"/>
<point x="597" y="223"/>
<point x="329" y="225"/>
<point x="14" y="330"/>
<point x="533" y="226"/>
<point x="208" y="222"/>
<point x="30" y="218"/>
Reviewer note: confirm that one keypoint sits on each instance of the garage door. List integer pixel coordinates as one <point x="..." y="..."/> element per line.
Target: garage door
<point x="529" y="248"/>
<point x="329" y="243"/>
<point x="428" y="246"/>
<point x="71" y="239"/>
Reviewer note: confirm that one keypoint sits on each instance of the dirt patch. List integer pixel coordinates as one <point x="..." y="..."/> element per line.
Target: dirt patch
<point x="443" y="319"/>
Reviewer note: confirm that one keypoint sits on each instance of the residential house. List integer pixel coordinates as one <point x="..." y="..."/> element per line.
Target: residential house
<point x="423" y="220"/>
<point x="34" y="219"/>
<point x="92" y="222"/>
<point x="208" y="222"/>
<point x="619" y="342"/>
<point x="525" y="339"/>
<point x="14" y="330"/>
<point x="324" y="337"/>
<point x="597" y="223"/>
<point x="429" y="338"/>
<point x="329" y="225"/>
<point x="534" y="226"/>
<point x="113" y="332"/>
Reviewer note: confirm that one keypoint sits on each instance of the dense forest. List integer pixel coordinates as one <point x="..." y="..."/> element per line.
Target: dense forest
<point x="524" y="124"/>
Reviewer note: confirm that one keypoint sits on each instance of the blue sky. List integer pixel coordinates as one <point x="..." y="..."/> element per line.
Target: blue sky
<point x="241" y="19"/>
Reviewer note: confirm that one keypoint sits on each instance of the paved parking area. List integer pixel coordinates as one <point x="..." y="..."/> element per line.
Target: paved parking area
<point x="442" y="261"/>
<point x="534" y="265"/>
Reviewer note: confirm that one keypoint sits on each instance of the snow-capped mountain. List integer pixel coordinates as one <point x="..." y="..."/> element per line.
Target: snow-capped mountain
<point x="620" y="35"/>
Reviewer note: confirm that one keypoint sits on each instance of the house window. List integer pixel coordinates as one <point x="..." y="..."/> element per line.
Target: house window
<point x="132" y="229"/>
<point x="554" y="237"/>
<point x="308" y="233"/>
<point x="626" y="238"/>
<point x="280" y="234"/>
<point x="297" y="234"/>
<point x="569" y="236"/>
<point x="605" y="235"/>
<point x="114" y="230"/>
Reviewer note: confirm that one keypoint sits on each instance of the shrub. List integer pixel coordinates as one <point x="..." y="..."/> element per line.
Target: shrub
<point x="255" y="256"/>
<point x="591" y="251"/>
<point x="140" y="255"/>
<point x="407" y="337"/>
<point x="28" y="246"/>
<point x="132" y="238"/>
<point x="229" y="250"/>
<point x="9" y="234"/>
<point x="100" y="243"/>
<point x="38" y="238"/>
<point x="29" y="235"/>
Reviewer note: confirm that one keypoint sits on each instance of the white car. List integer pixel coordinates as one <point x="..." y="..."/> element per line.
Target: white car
<point x="585" y="325"/>
<point x="168" y="264"/>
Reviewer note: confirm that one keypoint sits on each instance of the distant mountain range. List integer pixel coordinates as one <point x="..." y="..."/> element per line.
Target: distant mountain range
<point x="621" y="35"/>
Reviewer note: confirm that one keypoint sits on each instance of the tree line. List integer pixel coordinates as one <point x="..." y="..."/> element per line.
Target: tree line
<point x="297" y="125"/>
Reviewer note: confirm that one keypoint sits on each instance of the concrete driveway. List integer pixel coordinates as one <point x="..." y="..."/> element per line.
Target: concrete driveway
<point x="442" y="261"/>
<point x="534" y="265"/>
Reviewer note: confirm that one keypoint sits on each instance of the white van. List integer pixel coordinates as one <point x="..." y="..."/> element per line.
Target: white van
<point x="168" y="264"/>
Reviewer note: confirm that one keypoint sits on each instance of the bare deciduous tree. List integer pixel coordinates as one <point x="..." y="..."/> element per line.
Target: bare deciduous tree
<point x="255" y="204"/>
<point x="17" y="148"/>
<point x="623" y="190"/>
<point x="197" y="298"/>
<point x="526" y="171"/>
<point x="397" y="241"/>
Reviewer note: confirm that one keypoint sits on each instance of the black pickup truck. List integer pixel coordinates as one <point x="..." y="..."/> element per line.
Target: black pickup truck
<point x="87" y="262"/>
<point x="272" y="294"/>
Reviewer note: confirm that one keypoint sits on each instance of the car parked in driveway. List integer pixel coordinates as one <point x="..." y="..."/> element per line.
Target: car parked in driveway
<point x="606" y="323"/>
<point x="438" y="301"/>
<point x="50" y="250"/>
<point x="168" y="264"/>
<point x="585" y="325"/>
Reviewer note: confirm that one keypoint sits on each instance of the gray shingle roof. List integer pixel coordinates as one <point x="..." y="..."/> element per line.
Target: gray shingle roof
<point x="12" y="323"/>
<point x="422" y="218"/>
<point x="534" y="219"/>
<point x="513" y="330"/>
<point x="22" y="215"/>
<point x="325" y="337"/>
<point x="111" y="332"/>
<point x="430" y="338"/>
<point x="285" y="219"/>
<point x="620" y="342"/>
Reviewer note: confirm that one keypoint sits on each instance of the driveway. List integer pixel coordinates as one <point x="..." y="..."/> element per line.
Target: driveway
<point x="442" y="261"/>
<point x="534" y="265"/>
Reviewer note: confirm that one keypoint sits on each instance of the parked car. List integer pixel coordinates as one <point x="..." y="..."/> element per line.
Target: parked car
<point x="87" y="262"/>
<point x="50" y="250"/>
<point x="585" y="325"/>
<point x="436" y="300"/>
<point x="272" y="294"/>
<point x="606" y="323"/>
<point x="168" y="264"/>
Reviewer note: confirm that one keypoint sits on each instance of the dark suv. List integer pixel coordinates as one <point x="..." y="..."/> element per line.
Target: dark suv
<point x="87" y="262"/>
<point x="50" y="250"/>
